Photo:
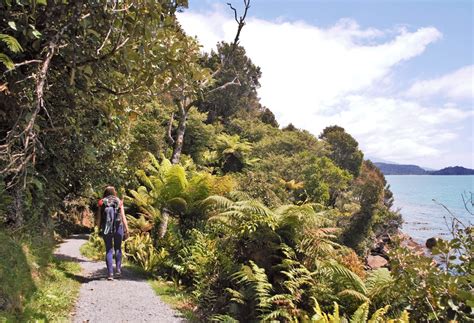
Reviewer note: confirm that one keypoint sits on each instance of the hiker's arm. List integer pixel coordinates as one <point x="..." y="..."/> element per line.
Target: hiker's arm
<point x="97" y="217"/>
<point x="124" y="218"/>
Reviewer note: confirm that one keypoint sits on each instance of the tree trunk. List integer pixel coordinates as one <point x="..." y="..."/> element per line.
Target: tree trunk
<point x="178" y="147"/>
<point x="179" y="141"/>
<point x="163" y="223"/>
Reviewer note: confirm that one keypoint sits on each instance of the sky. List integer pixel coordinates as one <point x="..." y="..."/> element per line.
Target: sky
<point x="397" y="75"/>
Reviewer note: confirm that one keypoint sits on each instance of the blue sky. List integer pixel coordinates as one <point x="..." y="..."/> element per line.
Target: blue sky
<point x="398" y="75"/>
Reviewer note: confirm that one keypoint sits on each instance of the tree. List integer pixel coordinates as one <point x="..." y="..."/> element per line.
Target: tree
<point x="344" y="149"/>
<point x="69" y="98"/>
<point x="324" y="181"/>
<point x="368" y="189"/>
<point x="194" y="82"/>
<point x="231" y="64"/>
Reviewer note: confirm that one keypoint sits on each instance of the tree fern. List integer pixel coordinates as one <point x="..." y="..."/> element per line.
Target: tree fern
<point x="175" y="182"/>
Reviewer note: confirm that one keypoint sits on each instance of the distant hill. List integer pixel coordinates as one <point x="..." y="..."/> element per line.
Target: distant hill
<point x="456" y="170"/>
<point x="396" y="169"/>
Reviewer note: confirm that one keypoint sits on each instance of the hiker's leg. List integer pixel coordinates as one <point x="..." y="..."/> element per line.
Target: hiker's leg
<point x="109" y="253"/>
<point x="118" y="237"/>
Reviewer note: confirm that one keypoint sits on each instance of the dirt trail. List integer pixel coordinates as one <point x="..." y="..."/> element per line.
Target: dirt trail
<point x="130" y="299"/>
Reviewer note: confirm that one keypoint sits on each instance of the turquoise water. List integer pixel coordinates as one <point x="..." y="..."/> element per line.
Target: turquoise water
<point x="424" y="218"/>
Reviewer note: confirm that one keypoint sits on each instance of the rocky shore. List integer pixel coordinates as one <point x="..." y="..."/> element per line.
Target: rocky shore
<point x="378" y="257"/>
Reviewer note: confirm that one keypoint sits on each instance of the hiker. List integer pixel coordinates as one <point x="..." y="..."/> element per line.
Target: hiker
<point x="113" y="227"/>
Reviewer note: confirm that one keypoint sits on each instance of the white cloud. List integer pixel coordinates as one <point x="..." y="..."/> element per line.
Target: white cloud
<point x="457" y="85"/>
<point x="396" y="129"/>
<point x="314" y="77"/>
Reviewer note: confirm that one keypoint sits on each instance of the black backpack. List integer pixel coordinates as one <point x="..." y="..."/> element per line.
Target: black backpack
<point x="111" y="219"/>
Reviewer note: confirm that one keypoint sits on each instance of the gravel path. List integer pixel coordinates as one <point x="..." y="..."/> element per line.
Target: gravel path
<point x="130" y="299"/>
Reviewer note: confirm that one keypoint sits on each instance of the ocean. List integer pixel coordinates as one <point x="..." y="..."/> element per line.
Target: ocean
<point x="418" y="198"/>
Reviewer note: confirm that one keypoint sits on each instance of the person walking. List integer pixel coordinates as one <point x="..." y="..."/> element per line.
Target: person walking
<point x="113" y="227"/>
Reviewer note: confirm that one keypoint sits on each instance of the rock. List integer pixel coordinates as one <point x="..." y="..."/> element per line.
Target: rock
<point x="431" y="243"/>
<point x="375" y="262"/>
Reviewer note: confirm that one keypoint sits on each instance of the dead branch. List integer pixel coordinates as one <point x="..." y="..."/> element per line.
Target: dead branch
<point x="240" y="21"/>
<point x="28" y="62"/>
<point x="468" y="202"/>
<point x="240" y="24"/>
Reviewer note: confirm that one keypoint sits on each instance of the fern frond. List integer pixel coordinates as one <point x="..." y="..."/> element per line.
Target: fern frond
<point x="361" y="315"/>
<point x="279" y="313"/>
<point x="144" y="179"/>
<point x="354" y="294"/>
<point x="235" y="296"/>
<point x="349" y="278"/>
<point x="378" y="316"/>
<point x="11" y="42"/>
<point x="335" y="315"/>
<point x="219" y="202"/>
<point x="223" y="318"/>
<point x="378" y="281"/>
<point x="5" y="60"/>
<point x="175" y="182"/>
<point x="239" y="196"/>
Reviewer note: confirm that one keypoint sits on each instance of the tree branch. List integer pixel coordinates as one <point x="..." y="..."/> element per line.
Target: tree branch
<point x="235" y="81"/>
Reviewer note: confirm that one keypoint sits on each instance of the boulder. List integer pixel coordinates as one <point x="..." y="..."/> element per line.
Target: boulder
<point x="375" y="262"/>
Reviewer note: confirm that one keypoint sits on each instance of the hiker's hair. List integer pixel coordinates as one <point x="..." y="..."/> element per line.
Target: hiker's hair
<point x="110" y="190"/>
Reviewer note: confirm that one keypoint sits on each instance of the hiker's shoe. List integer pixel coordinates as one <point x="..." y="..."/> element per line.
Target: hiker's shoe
<point x="110" y="277"/>
<point x="118" y="274"/>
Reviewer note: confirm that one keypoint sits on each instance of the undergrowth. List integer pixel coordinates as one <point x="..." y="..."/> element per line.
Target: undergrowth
<point x="36" y="287"/>
<point x="94" y="248"/>
<point x="177" y="297"/>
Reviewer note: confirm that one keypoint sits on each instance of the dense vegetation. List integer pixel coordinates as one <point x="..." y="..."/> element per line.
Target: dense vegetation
<point x="257" y="222"/>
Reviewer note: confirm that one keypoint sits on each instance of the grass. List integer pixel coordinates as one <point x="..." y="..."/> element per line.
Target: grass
<point x="56" y="295"/>
<point x="176" y="297"/>
<point x="36" y="287"/>
<point x="94" y="248"/>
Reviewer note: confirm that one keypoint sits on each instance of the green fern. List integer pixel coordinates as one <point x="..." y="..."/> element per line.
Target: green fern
<point x="223" y="318"/>
<point x="378" y="316"/>
<point x="347" y="277"/>
<point x="243" y="217"/>
<point x="5" y="60"/>
<point x="361" y="315"/>
<point x="378" y="282"/>
<point x="11" y="42"/>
